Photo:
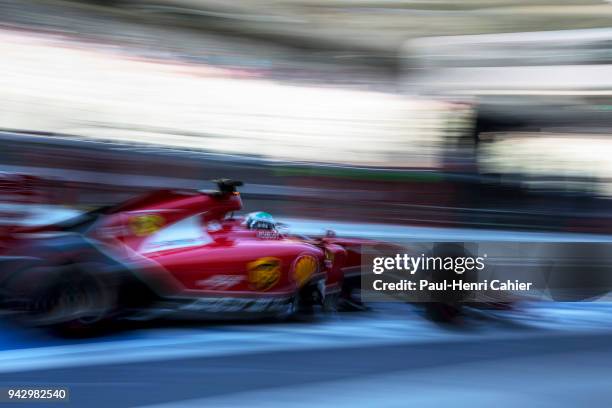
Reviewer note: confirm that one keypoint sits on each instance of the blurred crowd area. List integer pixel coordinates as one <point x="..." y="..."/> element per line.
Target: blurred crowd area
<point x="474" y="113"/>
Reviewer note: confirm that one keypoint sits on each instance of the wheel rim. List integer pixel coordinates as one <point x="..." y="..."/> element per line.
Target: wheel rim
<point x="73" y="301"/>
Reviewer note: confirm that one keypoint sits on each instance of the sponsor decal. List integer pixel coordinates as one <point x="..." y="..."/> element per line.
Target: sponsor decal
<point x="329" y="259"/>
<point x="304" y="268"/>
<point x="267" y="234"/>
<point x="233" y="305"/>
<point x="264" y="273"/>
<point x="220" y="282"/>
<point x="143" y="225"/>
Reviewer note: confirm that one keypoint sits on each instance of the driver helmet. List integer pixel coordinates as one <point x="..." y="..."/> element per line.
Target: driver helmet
<point x="260" y="220"/>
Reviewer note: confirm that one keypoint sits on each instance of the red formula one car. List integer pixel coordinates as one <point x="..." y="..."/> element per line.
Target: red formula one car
<point x="176" y="253"/>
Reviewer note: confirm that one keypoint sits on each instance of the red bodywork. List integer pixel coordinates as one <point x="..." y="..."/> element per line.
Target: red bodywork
<point x="186" y="247"/>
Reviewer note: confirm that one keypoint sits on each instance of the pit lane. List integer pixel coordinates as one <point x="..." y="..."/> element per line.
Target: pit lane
<point x="221" y="364"/>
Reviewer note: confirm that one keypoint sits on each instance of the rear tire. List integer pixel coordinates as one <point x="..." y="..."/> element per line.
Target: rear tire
<point x="73" y="303"/>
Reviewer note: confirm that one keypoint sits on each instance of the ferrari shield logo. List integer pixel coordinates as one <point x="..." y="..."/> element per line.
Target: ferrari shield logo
<point x="143" y="225"/>
<point x="264" y="273"/>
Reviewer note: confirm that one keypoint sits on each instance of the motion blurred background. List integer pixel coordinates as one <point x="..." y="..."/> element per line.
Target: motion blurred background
<point x="484" y="114"/>
<point x="458" y="114"/>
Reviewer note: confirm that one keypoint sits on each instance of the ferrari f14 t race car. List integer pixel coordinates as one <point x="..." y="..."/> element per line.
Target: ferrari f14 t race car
<point x="170" y="253"/>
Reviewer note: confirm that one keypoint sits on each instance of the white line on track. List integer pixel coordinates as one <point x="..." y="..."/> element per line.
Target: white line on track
<point x="341" y="332"/>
